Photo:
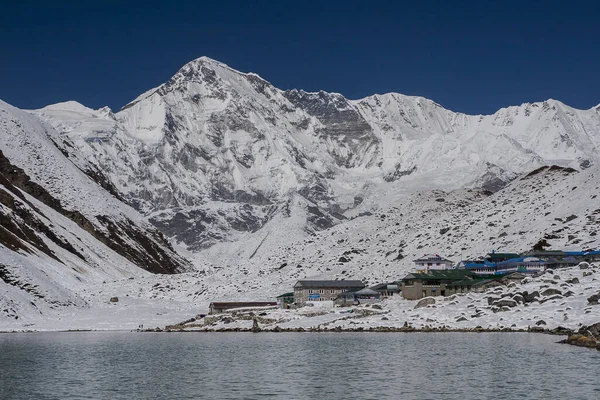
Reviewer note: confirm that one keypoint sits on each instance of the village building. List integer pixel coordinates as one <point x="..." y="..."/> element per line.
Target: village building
<point x="446" y="283"/>
<point x="322" y="290"/>
<point x="225" y="306"/>
<point x="432" y="283"/>
<point x="502" y="263"/>
<point x="285" y="300"/>
<point x="592" y="255"/>
<point x="561" y="259"/>
<point x="387" y="289"/>
<point x="356" y="297"/>
<point x="526" y="265"/>
<point x="494" y="257"/>
<point x="432" y="262"/>
<point x="471" y="285"/>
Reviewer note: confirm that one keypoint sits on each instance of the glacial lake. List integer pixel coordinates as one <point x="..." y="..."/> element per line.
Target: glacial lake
<point x="122" y="365"/>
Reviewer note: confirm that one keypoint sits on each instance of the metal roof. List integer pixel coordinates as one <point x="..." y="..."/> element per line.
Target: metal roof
<point x="290" y="294"/>
<point x="432" y="257"/>
<point x="329" y="284"/>
<point x="367" y="292"/>
<point x="242" y="304"/>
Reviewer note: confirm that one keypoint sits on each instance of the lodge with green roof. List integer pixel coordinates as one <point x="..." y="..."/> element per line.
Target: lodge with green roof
<point x="448" y="282"/>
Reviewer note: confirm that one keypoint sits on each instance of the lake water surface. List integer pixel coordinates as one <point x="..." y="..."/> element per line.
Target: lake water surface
<point x="119" y="365"/>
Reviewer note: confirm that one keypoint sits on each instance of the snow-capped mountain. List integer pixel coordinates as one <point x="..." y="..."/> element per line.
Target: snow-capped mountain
<point x="214" y="153"/>
<point x="249" y="187"/>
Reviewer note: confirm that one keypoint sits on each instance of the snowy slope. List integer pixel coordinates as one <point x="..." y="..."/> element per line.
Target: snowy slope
<point x="376" y="248"/>
<point x="59" y="230"/>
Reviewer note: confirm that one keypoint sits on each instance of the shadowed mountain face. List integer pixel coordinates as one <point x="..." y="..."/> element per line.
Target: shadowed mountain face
<point x="33" y="170"/>
<point x="214" y="153"/>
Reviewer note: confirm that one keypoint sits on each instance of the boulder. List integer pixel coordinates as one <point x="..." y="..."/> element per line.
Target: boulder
<point x="518" y="298"/>
<point x="593" y="299"/>
<point x="573" y="281"/>
<point x="540" y="322"/>
<point x="427" y="301"/>
<point x="592" y="329"/>
<point x="505" y="303"/>
<point x="114" y="299"/>
<point x="584" y="265"/>
<point x="561" y="330"/>
<point x="587" y="273"/>
<point x="581" y="340"/>
<point x="531" y="297"/>
<point x="554" y="297"/>
<point x="550" y="292"/>
<point x="491" y="300"/>
<point x="255" y="327"/>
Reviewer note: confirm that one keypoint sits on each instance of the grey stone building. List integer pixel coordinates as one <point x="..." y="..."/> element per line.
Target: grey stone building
<point x="307" y="290"/>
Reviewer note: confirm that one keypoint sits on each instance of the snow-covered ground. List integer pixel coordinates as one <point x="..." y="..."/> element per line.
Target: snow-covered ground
<point x="557" y="299"/>
<point x="375" y="248"/>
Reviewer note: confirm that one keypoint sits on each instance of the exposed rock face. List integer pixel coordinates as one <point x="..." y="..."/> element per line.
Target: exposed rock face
<point x="153" y="252"/>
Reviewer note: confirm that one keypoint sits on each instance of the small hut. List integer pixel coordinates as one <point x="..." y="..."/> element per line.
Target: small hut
<point x="284" y="300"/>
<point x="363" y="296"/>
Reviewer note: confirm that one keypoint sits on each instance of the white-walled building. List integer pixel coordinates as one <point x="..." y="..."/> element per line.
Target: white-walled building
<point x="432" y="262"/>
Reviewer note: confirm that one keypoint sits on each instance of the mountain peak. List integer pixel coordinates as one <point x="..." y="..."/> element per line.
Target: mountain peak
<point x="70" y="105"/>
<point x="204" y="60"/>
<point x="204" y="63"/>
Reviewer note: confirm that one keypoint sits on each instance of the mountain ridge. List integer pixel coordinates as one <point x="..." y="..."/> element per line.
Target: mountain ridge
<point x="206" y="59"/>
<point x="211" y="137"/>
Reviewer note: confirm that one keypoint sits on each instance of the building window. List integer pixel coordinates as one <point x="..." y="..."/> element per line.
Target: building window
<point x="310" y="291"/>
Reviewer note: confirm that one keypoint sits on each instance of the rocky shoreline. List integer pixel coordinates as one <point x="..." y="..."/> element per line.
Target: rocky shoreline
<point x="559" y="331"/>
<point x="587" y="336"/>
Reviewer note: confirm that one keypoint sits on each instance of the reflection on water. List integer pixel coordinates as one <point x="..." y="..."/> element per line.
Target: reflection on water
<point x="97" y="365"/>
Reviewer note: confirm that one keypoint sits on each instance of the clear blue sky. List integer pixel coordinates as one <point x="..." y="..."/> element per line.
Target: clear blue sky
<point x="470" y="56"/>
